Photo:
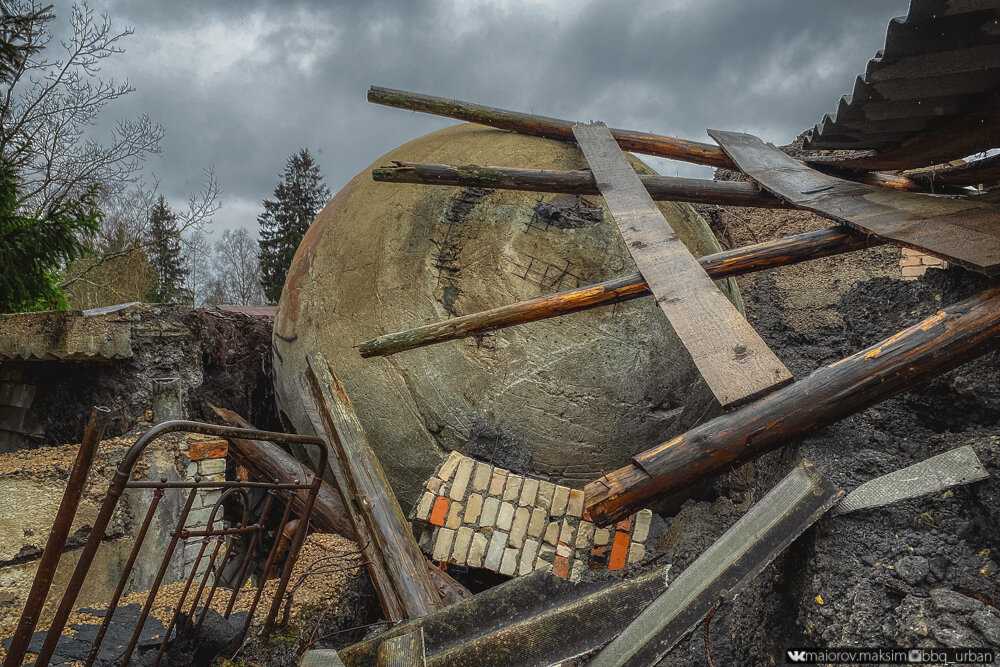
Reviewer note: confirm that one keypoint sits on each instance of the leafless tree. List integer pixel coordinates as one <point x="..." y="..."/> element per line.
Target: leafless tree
<point x="237" y="279"/>
<point x="53" y="101"/>
<point x="197" y="258"/>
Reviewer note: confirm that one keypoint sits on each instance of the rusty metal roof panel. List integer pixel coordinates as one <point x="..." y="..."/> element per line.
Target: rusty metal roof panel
<point x="940" y="61"/>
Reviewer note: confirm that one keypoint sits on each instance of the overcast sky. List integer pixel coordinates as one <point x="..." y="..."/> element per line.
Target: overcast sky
<point x="241" y="85"/>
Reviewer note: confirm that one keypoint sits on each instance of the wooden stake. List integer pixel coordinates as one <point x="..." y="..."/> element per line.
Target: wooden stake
<point x="739" y="261"/>
<point x="936" y="345"/>
<point x="580" y="182"/>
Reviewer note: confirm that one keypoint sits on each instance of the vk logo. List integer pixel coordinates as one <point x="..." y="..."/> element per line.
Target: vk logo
<point x="796" y="656"/>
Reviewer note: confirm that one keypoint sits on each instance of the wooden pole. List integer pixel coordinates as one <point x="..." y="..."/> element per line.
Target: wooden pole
<point x="936" y="345"/>
<point x="767" y="255"/>
<point x="629" y="140"/>
<point x="579" y="182"/>
<point x="552" y="128"/>
<point x="395" y="562"/>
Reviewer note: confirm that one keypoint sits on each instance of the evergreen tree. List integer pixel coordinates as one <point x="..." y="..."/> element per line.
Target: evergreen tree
<point x="298" y="198"/>
<point x="165" y="253"/>
<point x="34" y="249"/>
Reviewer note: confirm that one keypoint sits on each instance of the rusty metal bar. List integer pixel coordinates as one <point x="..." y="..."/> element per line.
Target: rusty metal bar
<point x="123" y="579"/>
<point x="238" y="582"/>
<point x="57" y="538"/>
<point x="267" y="568"/>
<point x="117" y="487"/>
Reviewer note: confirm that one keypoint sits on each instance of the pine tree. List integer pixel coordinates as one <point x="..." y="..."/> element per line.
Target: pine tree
<point x="165" y="253"/>
<point x="34" y="249"/>
<point x="298" y="197"/>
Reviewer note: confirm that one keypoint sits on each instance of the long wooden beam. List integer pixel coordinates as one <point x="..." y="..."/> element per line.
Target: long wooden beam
<point x="578" y="182"/>
<point x="552" y="128"/>
<point x="739" y="261"/>
<point x="936" y="345"/>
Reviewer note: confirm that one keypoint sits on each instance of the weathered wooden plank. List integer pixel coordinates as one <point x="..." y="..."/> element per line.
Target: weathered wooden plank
<point x="737" y="261"/>
<point x="536" y="619"/>
<point x="977" y="172"/>
<point x="961" y="231"/>
<point x="397" y="566"/>
<point x="735" y="362"/>
<point x="933" y="475"/>
<point x="953" y="336"/>
<point x="793" y="505"/>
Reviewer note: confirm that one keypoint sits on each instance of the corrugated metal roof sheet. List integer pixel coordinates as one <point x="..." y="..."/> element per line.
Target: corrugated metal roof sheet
<point x="940" y="63"/>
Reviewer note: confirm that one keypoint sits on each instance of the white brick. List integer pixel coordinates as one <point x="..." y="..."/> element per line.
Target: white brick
<point x="478" y="550"/>
<point x="528" y="557"/>
<point x="442" y="546"/>
<point x="481" y="478"/>
<point x="473" y="508"/>
<point x="552" y="533"/>
<point x="559" y="500"/>
<point x="506" y="516"/>
<point x="497" y="546"/>
<point x="450" y="465"/>
<point x="543" y="498"/>
<point x="211" y="466"/>
<point x="575" y="506"/>
<point x="602" y="536"/>
<point x="576" y="570"/>
<point x="519" y="526"/>
<point x="642" y="520"/>
<point x="528" y="492"/>
<point x="508" y="565"/>
<point x="462" y="477"/>
<point x="513" y="488"/>
<point x="567" y="533"/>
<point x="454" y="518"/>
<point x="537" y="523"/>
<point x="424" y="506"/>
<point x="585" y="535"/>
<point x="462" y="541"/>
<point x="490" y="509"/>
<point x="636" y="552"/>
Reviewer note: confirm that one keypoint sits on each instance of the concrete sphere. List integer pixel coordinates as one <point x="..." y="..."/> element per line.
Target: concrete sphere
<point x="566" y="398"/>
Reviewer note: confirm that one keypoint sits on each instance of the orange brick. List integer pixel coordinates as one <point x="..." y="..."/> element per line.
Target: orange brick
<point x="560" y="567"/>
<point x="625" y="524"/>
<point x="619" y="551"/>
<point x="440" y="510"/>
<point x="208" y="449"/>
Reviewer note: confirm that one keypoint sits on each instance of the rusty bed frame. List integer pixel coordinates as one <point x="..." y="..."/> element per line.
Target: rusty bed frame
<point x="276" y="492"/>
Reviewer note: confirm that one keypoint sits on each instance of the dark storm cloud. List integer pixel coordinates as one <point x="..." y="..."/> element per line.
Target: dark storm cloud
<point x="242" y="85"/>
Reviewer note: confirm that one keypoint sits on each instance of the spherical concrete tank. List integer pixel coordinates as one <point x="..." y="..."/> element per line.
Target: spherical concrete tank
<point x="565" y="398"/>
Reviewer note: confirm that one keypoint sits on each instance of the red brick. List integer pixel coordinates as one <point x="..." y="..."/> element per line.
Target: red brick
<point x="440" y="510"/>
<point x="619" y="551"/>
<point x="560" y="567"/>
<point x="625" y="524"/>
<point x="208" y="449"/>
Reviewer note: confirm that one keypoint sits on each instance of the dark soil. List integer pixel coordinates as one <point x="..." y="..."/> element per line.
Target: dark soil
<point x="918" y="574"/>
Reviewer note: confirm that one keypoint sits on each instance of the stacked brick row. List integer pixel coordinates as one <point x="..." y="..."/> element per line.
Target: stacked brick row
<point x="477" y="515"/>
<point x="207" y="462"/>
<point x="913" y="263"/>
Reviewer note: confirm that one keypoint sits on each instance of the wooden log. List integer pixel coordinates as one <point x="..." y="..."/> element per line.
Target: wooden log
<point x="397" y="566"/>
<point x="268" y="461"/>
<point x="735" y="262"/>
<point x="552" y="128"/>
<point x="734" y="360"/>
<point x="743" y="551"/>
<point x="578" y="182"/>
<point x="936" y="345"/>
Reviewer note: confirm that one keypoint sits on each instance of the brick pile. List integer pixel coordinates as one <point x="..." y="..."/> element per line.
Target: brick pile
<point x="913" y="263"/>
<point x="477" y="515"/>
